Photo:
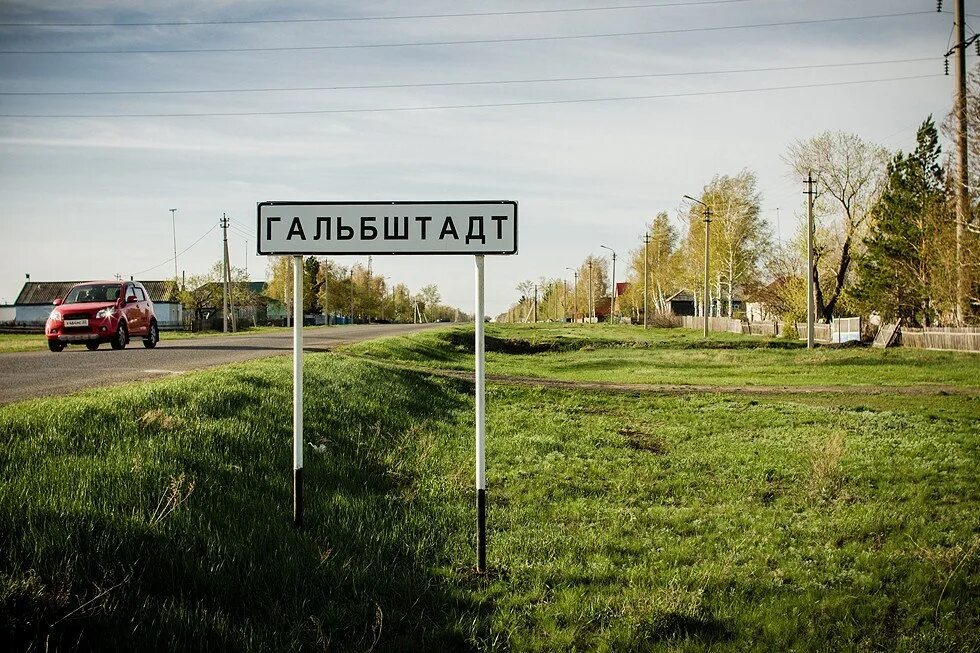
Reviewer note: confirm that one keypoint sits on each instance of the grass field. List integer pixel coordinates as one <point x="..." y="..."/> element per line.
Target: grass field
<point x="157" y="517"/>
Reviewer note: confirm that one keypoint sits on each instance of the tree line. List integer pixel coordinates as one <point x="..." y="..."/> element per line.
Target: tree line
<point x="328" y="289"/>
<point x="884" y="242"/>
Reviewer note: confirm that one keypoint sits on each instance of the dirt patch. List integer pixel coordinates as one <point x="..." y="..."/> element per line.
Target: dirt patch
<point x="641" y="441"/>
<point x="673" y="389"/>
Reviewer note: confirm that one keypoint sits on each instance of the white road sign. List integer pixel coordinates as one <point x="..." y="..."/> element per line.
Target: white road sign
<point x="316" y="228"/>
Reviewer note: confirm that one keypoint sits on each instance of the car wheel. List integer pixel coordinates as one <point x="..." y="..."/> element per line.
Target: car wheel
<point x="121" y="338"/>
<point x="55" y="346"/>
<point x="153" y="337"/>
<point x="92" y="346"/>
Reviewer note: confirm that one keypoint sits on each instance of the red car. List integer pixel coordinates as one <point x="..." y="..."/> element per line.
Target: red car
<point x="102" y="311"/>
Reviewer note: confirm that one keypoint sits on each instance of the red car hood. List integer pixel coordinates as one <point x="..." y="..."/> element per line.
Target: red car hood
<point x="86" y="307"/>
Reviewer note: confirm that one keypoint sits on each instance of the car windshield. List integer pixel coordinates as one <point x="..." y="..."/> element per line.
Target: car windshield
<point x="102" y="292"/>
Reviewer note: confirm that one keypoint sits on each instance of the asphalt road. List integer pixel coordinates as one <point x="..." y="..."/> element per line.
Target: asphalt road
<point x="38" y="374"/>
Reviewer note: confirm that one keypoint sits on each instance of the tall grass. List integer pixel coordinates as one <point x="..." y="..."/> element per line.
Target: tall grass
<point x="155" y="516"/>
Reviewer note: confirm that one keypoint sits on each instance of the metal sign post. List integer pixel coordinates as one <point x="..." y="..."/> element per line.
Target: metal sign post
<point x="481" y="424"/>
<point x="296" y="229"/>
<point x="298" y="391"/>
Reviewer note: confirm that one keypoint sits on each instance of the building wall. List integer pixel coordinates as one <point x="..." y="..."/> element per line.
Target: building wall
<point x="8" y="314"/>
<point x="33" y="314"/>
<point x="168" y="314"/>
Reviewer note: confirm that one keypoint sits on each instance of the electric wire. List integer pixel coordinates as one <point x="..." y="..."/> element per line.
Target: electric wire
<point x="213" y="227"/>
<point x="343" y="19"/>
<point x="514" y="39"/>
<point x="462" y="83"/>
<point x="489" y="105"/>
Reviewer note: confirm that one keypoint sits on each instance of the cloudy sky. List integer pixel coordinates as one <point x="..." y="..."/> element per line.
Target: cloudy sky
<point x="593" y="119"/>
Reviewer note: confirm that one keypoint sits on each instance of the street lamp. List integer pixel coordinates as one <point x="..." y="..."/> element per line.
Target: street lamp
<point x="173" y="222"/>
<point x="707" y="223"/>
<point x="612" y="295"/>
<point x="574" y="295"/>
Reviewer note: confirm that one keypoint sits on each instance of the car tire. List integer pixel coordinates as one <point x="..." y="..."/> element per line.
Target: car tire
<point x="55" y="346"/>
<point x="92" y="346"/>
<point x="153" y="337"/>
<point x="121" y="338"/>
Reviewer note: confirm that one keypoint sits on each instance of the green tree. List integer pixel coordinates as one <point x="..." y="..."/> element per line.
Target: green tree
<point x="739" y="235"/>
<point x="661" y="265"/>
<point x="895" y="272"/>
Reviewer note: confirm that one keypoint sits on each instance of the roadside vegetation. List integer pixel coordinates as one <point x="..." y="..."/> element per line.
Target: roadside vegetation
<point x="157" y="516"/>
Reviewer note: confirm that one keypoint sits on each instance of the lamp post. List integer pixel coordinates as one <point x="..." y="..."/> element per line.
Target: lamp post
<point x="574" y="295"/>
<point x="591" y="295"/>
<point x="173" y="222"/>
<point x="707" y="223"/>
<point x="612" y="294"/>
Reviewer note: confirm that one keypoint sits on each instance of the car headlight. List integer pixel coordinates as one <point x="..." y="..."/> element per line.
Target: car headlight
<point x="105" y="312"/>
<point x="55" y="315"/>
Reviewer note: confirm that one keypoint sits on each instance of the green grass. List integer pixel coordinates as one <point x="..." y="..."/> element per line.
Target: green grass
<point x="674" y="356"/>
<point x="20" y="342"/>
<point x="618" y="521"/>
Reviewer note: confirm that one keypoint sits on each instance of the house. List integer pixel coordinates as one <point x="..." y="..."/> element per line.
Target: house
<point x="682" y="302"/>
<point x="36" y="299"/>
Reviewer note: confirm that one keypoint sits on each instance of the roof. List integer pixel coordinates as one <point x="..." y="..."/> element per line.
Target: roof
<point x="682" y="295"/>
<point x="45" y="292"/>
<point x="685" y="295"/>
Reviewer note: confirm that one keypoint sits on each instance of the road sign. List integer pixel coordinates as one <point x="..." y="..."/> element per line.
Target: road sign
<point x="335" y="228"/>
<point x="319" y="228"/>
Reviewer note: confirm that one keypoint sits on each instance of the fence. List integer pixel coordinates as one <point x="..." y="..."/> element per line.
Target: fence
<point x="841" y="330"/>
<point x="946" y="338"/>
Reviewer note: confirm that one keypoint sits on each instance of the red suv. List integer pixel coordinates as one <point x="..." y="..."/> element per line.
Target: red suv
<point x="102" y="311"/>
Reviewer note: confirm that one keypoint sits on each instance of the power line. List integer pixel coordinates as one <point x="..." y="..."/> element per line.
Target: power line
<point x="464" y="83"/>
<point x="340" y="19"/>
<point x="468" y="106"/>
<point x="213" y="227"/>
<point x="516" y="39"/>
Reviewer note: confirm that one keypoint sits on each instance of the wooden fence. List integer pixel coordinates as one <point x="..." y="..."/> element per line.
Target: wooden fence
<point x="821" y="332"/>
<point x="945" y="338"/>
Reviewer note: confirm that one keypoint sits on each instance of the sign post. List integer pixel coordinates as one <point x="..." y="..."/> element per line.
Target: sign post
<point x="481" y="423"/>
<point x="298" y="391"/>
<point x="473" y="228"/>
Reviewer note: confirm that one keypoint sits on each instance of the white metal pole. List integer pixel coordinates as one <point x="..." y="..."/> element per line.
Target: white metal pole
<point x="481" y="426"/>
<point x="298" y="391"/>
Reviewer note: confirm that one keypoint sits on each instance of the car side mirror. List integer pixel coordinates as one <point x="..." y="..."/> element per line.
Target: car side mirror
<point x="119" y="303"/>
<point x="57" y="302"/>
<point x="131" y="299"/>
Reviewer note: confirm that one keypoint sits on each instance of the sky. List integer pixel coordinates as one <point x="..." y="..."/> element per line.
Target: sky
<point x="96" y="148"/>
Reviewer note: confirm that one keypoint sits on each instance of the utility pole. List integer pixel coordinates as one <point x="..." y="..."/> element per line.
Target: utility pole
<point x="352" y="294"/>
<point x="574" y="295"/>
<point x="224" y="275"/>
<point x="591" y="295"/>
<point x="612" y="291"/>
<point x="811" y="307"/>
<point x="646" y="277"/>
<point x="173" y="219"/>
<point x="707" y="252"/>
<point x="535" y="303"/>
<point x="962" y="172"/>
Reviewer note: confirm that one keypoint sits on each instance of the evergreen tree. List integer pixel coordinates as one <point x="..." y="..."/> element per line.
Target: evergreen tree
<point x="895" y="273"/>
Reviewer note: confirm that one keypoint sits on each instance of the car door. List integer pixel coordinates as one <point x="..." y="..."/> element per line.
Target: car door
<point x="132" y="310"/>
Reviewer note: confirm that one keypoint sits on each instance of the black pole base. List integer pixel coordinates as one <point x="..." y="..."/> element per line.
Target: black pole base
<point x="298" y="497"/>
<point x="481" y="530"/>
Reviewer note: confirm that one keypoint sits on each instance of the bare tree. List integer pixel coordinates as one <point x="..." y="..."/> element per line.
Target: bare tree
<point x="850" y="174"/>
